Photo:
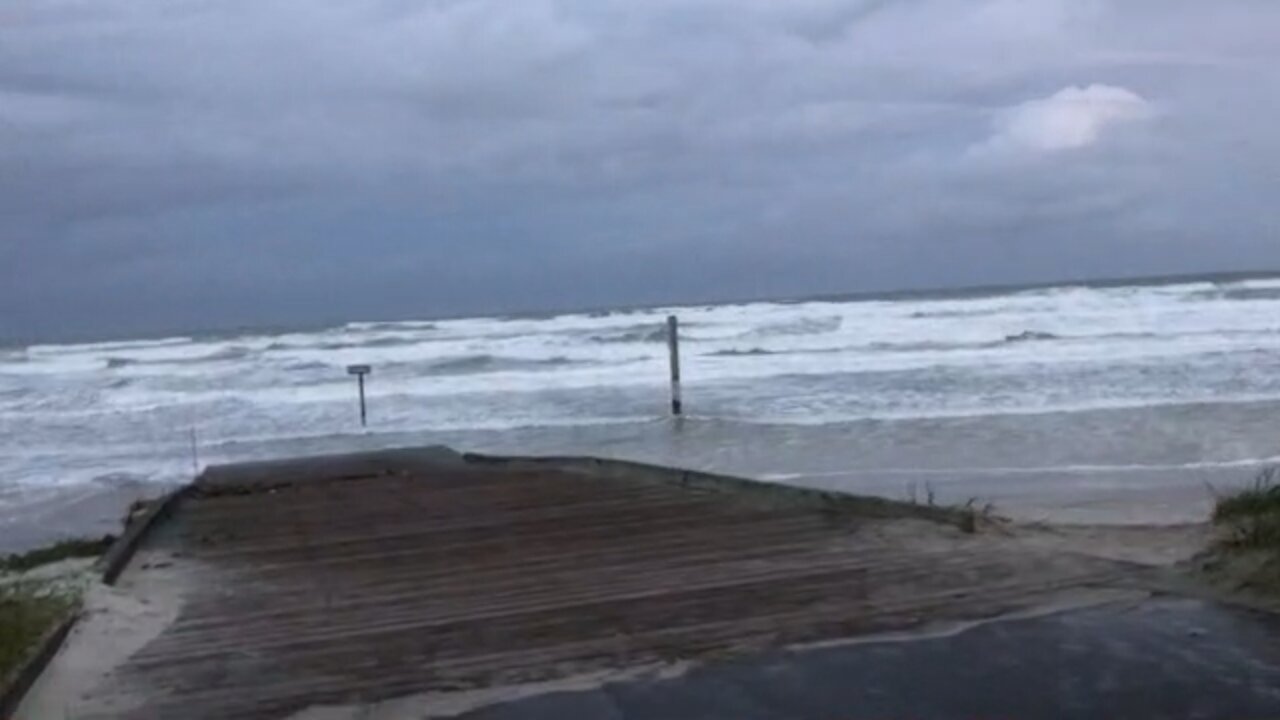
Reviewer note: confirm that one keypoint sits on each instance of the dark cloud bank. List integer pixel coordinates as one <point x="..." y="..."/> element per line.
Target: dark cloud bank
<point x="170" y="164"/>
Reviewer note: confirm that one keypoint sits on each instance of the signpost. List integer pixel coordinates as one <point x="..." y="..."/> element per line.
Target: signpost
<point x="360" y="371"/>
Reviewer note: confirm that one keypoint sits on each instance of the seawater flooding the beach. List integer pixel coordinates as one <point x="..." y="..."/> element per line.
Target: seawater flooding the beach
<point x="1073" y="403"/>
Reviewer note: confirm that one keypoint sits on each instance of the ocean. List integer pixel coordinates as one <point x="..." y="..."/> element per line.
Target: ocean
<point x="1077" y="403"/>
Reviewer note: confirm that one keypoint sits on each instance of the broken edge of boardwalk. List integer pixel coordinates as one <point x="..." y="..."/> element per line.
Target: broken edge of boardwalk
<point x="117" y="557"/>
<point x="768" y="493"/>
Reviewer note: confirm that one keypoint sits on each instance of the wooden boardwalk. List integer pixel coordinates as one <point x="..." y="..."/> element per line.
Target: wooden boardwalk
<point x="342" y="581"/>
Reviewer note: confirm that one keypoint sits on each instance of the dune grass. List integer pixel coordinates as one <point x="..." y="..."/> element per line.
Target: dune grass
<point x="967" y="516"/>
<point x="1247" y="553"/>
<point x="1251" y="517"/>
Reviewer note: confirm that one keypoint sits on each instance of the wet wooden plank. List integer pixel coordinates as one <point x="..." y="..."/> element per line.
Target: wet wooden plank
<point x="374" y="580"/>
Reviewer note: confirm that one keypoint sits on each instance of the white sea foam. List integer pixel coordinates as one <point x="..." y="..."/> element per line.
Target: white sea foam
<point x="806" y="363"/>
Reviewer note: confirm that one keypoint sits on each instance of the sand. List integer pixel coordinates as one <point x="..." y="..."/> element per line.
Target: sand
<point x="1150" y="545"/>
<point x="115" y="623"/>
<point x="31" y="518"/>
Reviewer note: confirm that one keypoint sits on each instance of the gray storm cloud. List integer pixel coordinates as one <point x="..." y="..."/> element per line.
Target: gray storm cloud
<point x="172" y="164"/>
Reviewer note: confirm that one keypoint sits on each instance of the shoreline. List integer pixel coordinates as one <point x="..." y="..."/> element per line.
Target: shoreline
<point x="98" y="512"/>
<point x="1159" y="498"/>
<point x="1159" y="465"/>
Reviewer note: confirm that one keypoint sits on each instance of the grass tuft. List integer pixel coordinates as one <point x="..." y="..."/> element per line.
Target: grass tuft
<point x="1251" y="517"/>
<point x="967" y="516"/>
<point x="1247" y="553"/>
<point x="971" y="514"/>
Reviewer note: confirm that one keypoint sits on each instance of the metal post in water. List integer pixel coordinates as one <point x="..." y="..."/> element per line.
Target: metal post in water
<point x="360" y="371"/>
<point x="364" y="417"/>
<point x="673" y="344"/>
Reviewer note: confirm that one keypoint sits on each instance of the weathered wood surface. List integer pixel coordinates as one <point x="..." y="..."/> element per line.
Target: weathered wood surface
<point x="333" y="583"/>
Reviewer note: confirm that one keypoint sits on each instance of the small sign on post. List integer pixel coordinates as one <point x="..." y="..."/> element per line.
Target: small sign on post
<point x="360" y="371"/>
<point x="673" y="344"/>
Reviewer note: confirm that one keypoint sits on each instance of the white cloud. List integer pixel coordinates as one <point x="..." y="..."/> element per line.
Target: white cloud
<point x="1072" y="118"/>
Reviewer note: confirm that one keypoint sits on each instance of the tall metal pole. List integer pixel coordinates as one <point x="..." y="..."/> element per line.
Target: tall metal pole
<point x="673" y="344"/>
<point x="363" y="417"/>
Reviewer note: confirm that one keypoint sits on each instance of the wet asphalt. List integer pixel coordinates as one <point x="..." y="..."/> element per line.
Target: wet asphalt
<point x="1163" y="658"/>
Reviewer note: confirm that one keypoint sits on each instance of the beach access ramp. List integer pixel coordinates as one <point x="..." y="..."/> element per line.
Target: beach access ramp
<point x="422" y="583"/>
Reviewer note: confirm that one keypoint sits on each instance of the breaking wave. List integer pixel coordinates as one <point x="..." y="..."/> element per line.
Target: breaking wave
<point x="639" y="334"/>
<point x="951" y="314"/>
<point x="800" y="326"/>
<point x="390" y="325"/>
<point x="379" y="342"/>
<point x="1235" y="293"/>
<point x="468" y="364"/>
<point x="306" y="365"/>
<point x="1030" y="335"/>
<point x="234" y="352"/>
<point x="734" y="352"/>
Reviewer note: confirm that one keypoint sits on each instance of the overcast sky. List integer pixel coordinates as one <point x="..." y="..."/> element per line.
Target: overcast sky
<point x="184" y="164"/>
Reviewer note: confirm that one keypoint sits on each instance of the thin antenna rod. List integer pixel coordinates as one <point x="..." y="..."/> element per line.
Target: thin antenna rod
<point x="195" y="453"/>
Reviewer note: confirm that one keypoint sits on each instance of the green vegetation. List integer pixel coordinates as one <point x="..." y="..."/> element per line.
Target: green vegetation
<point x="32" y="607"/>
<point x="29" y="610"/>
<point x="1252" y="516"/>
<point x="62" y="550"/>
<point x="1247" y="556"/>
